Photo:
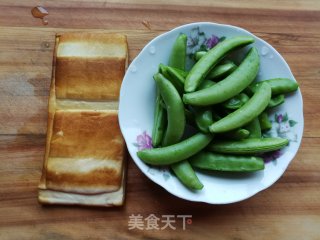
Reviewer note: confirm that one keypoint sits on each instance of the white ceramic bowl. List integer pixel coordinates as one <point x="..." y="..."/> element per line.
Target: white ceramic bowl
<point x="137" y="99"/>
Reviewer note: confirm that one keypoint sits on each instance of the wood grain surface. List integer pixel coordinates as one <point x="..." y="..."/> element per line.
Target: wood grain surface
<point x="290" y="209"/>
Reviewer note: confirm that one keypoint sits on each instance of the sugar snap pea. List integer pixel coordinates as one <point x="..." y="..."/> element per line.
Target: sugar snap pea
<point x="221" y="70"/>
<point x="278" y="85"/>
<point x="206" y="84"/>
<point x="248" y="146"/>
<point x="176" y="79"/>
<point x="183" y="169"/>
<point x="236" y="134"/>
<point x="222" y="162"/>
<point x="179" y="74"/>
<point x="246" y="113"/>
<point x="236" y="101"/>
<point x="230" y="86"/>
<point x="175" y="110"/>
<point x="177" y="152"/>
<point x="178" y="54"/>
<point x="254" y="128"/>
<point x="184" y="74"/>
<point x="159" y="123"/>
<point x="186" y="175"/>
<point x="163" y="69"/>
<point x="264" y="121"/>
<point x="203" y="118"/>
<point x="173" y="75"/>
<point x="211" y="58"/>
<point x="276" y="101"/>
<point x="199" y="55"/>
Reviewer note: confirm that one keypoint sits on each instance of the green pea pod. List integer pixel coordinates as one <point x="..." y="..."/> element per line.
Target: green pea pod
<point x="178" y="54"/>
<point x="176" y="79"/>
<point x="199" y="55"/>
<point x="236" y="101"/>
<point x="206" y="84"/>
<point x="176" y="73"/>
<point x="159" y="123"/>
<point x="229" y="163"/>
<point x="177" y="152"/>
<point x="235" y="83"/>
<point x="264" y="121"/>
<point x="182" y="73"/>
<point x="186" y="175"/>
<point x="172" y="75"/>
<point x="203" y="118"/>
<point x="175" y="110"/>
<point x="237" y="134"/>
<point x="163" y="69"/>
<point x="252" y="109"/>
<point x="254" y="128"/>
<point x="221" y="70"/>
<point x="200" y="70"/>
<point x="248" y="146"/>
<point x="278" y="86"/>
<point x="276" y="101"/>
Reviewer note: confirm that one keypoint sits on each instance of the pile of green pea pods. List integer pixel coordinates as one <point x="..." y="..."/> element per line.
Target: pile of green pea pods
<point x="225" y="105"/>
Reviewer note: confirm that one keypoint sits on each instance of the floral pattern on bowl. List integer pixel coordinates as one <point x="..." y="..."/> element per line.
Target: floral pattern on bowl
<point x="143" y="141"/>
<point x="282" y="127"/>
<point x="199" y="41"/>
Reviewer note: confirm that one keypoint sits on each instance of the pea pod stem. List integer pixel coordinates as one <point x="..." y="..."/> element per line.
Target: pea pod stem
<point x="177" y="152"/>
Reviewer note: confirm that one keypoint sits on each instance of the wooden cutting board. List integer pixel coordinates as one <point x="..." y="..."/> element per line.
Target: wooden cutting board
<point x="290" y="209"/>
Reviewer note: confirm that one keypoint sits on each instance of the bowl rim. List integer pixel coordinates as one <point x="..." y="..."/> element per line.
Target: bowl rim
<point x="199" y="24"/>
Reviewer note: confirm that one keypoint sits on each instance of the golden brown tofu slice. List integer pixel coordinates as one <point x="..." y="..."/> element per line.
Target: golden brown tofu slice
<point x="90" y="66"/>
<point x="85" y="152"/>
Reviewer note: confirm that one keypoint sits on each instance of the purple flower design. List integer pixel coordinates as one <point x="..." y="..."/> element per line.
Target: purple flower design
<point x="270" y="156"/>
<point x="212" y="41"/>
<point x="144" y="141"/>
<point x="279" y="118"/>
